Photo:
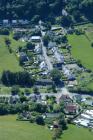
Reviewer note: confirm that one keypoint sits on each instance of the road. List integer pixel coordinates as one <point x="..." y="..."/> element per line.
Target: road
<point x="47" y="59"/>
<point x="57" y="95"/>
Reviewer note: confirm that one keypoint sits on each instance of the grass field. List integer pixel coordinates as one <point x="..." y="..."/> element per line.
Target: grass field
<point x="82" y="50"/>
<point x="77" y="133"/>
<point x="8" y="61"/>
<point x="10" y="129"/>
<point x="90" y="35"/>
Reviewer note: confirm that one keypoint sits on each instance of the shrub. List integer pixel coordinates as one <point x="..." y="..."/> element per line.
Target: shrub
<point x="40" y="120"/>
<point x="4" y="31"/>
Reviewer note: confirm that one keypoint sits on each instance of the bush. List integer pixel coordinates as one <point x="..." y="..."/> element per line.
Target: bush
<point x="79" y="32"/>
<point x="4" y="31"/>
<point x="40" y="120"/>
<point x="32" y="119"/>
<point x="17" y="35"/>
<point x="92" y="44"/>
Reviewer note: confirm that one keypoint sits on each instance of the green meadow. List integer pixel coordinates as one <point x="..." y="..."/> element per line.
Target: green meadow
<point x="8" y="61"/>
<point x="82" y="50"/>
<point x="10" y="129"/>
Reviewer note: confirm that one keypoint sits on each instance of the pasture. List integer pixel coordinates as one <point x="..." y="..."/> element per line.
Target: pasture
<point x="10" y="129"/>
<point x="19" y="130"/>
<point x="82" y="50"/>
<point x="77" y="133"/>
<point x="8" y="61"/>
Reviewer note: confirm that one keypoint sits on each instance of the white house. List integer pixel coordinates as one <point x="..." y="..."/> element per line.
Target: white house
<point x="36" y="38"/>
<point x="5" y="22"/>
<point x="14" y="22"/>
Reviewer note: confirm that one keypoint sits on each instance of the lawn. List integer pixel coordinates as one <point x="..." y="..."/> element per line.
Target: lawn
<point x="82" y="50"/>
<point x="8" y="61"/>
<point x="90" y="35"/>
<point x="87" y="27"/>
<point x="18" y="130"/>
<point x="10" y="129"/>
<point x="77" y="133"/>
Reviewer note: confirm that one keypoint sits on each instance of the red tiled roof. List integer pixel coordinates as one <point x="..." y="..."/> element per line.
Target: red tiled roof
<point x="71" y="108"/>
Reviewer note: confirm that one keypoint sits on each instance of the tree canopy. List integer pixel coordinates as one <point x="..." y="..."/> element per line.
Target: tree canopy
<point x="44" y="9"/>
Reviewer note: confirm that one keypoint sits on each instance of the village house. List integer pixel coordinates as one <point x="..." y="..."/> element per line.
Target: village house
<point x="71" y="108"/>
<point x="5" y="22"/>
<point x="38" y="49"/>
<point x="65" y="98"/>
<point x="35" y="39"/>
<point x="43" y="65"/>
<point x="14" y="22"/>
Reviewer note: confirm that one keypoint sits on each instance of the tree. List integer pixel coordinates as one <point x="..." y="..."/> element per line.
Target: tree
<point x="17" y="35"/>
<point x="79" y="63"/>
<point x="40" y="108"/>
<point x="15" y="90"/>
<point x="40" y="120"/>
<point x="4" y="31"/>
<point x="57" y="133"/>
<point x="35" y="19"/>
<point x="23" y="98"/>
<point x="30" y="46"/>
<point x="62" y="122"/>
<point x="56" y="108"/>
<point x="7" y="41"/>
<point x="56" y="75"/>
<point x="66" y="21"/>
<point x="27" y="91"/>
<point x="92" y="44"/>
<point x="18" y="78"/>
<point x="54" y="88"/>
<point x="36" y="90"/>
<point x="46" y="40"/>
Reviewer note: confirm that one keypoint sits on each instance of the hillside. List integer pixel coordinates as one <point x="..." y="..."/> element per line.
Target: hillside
<point x="77" y="10"/>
